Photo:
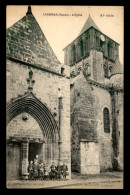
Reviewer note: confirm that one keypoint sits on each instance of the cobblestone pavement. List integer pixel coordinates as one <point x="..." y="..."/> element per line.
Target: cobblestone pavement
<point x="106" y="180"/>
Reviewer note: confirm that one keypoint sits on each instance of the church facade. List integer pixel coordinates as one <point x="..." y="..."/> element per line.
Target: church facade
<point x="69" y="112"/>
<point x="38" y="100"/>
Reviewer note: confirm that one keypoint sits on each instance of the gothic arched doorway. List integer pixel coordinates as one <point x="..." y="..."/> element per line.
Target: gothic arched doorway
<point x="24" y="105"/>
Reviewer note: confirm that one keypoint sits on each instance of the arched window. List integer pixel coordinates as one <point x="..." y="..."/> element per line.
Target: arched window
<point x="81" y="48"/>
<point x="74" y="53"/>
<point x="106" y="119"/>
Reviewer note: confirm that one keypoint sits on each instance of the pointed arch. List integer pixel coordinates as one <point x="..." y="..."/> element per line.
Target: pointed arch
<point x="30" y="104"/>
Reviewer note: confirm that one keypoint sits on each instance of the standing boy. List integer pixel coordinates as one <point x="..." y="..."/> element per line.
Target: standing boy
<point x="30" y="170"/>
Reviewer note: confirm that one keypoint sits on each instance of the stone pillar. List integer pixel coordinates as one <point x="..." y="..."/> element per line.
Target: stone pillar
<point x="115" y="132"/>
<point x="53" y="150"/>
<point x="60" y="128"/>
<point x="121" y="133"/>
<point x="56" y="148"/>
<point x="44" y="151"/>
<point x="50" y="151"/>
<point x="24" y="150"/>
<point x="117" y="127"/>
<point x="47" y="152"/>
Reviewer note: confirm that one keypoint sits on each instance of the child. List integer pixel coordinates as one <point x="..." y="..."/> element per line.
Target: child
<point x="59" y="169"/>
<point x="41" y="171"/>
<point x="53" y="171"/>
<point x="64" y="171"/>
<point x="30" y="170"/>
<point x="35" y="171"/>
<point x="47" y="171"/>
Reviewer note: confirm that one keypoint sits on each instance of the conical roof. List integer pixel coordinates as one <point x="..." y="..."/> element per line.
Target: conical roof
<point x="26" y="42"/>
<point x="88" y="24"/>
<point x="117" y="68"/>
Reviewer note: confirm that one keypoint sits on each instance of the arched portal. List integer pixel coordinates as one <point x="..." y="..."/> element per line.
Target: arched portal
<point x="29" y="104"/>
<point x="39" y="111"/>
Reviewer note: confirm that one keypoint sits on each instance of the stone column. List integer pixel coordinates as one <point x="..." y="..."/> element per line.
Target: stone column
<point x="24" y="150"/>
<point x="44" y="151"/>
<point x="47" y="152"/>
<point x="115" y="133"/>
<point x="53" y="151"/>
<point x="56" y="148"/>
<point x="50" y="151"/>
<point x="60" y="128"/>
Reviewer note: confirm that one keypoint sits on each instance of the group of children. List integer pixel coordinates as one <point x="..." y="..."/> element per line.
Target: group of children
<point x="42" y="171"/>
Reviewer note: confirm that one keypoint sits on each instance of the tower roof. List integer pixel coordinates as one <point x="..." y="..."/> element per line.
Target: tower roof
<point x="88" y="24"/>
<point x="117" y="68"/>
<point x="27" y="42"/>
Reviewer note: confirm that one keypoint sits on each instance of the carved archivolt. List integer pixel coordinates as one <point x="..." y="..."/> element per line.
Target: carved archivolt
<point x="30" y="104"/>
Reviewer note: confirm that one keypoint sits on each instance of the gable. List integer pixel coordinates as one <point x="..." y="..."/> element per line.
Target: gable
<point x="26" y="42"/>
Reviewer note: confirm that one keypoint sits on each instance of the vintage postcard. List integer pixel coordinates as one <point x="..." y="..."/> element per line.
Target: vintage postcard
<point x="64" y="103"/>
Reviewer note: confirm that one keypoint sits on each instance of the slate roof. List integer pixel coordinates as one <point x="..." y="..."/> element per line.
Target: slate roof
<point x="26" y="42"/>
<point x="88" y="24"/>
<point x="117" y="68"/>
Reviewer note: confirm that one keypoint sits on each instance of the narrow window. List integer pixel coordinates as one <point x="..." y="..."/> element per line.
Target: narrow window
<point x="106" y="119"/>
<point x="97" y="41"/>
<point x="110" y="50"/>
<point x="81" y="48"/>
<point x="74" y="53"/>
<point x="86" y="46"/>
<point x="62" y="70"/>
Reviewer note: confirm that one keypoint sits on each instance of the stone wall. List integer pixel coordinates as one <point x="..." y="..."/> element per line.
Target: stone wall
<point x="87" y="122"/>
<point x="104" y="139"/>
<point x="46" y="89"/>
<point x="120" y="117"/>
<point x="84" y="107"/>
<point x="19" y="128"/>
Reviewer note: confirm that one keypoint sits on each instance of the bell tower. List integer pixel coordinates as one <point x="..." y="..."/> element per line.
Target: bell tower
<point x="94" y="48"/>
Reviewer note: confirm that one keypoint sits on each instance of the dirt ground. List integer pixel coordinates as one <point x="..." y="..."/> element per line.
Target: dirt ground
<point x="105" y="180"/>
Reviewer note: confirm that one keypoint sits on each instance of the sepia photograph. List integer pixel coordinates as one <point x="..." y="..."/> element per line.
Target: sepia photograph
<point x="64" y="97"/>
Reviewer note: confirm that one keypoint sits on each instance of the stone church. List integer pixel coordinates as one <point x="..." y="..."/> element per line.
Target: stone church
<point x="96" y="93"/>
<point x="71" y="112"/>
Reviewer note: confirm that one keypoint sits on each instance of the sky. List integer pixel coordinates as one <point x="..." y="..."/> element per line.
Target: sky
<point x="62" y="29"/>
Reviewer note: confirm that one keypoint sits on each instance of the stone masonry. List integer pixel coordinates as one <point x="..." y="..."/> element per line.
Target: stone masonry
<point x="71" y="112"/>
